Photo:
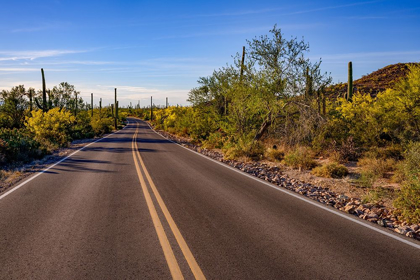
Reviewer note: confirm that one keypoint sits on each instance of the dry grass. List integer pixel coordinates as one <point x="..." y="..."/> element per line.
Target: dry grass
<point x="331" y="170"/>
<point x="301" y="158"/>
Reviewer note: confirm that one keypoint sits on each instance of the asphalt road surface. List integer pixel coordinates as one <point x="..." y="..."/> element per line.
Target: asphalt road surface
<point x="137" y="206"/>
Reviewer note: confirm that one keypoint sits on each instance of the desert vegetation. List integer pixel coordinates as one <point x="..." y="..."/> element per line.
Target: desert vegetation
<point x="33" y="124"/>
<point x="273" y="103"/>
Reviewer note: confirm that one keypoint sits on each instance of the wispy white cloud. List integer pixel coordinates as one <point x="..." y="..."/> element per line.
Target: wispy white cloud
<point x="331" y="8"/>
<point x="71" y="62"/>
<point x="127" y="94"/>
<point x="7" y="70"/>
<point x="31" y="55"/>
<point x="18" y="69"/>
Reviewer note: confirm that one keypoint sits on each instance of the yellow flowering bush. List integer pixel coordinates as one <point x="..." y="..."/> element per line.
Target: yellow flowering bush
<point x="52" y="128"/>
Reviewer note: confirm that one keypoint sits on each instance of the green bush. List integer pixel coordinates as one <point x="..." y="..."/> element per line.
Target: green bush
<point x="376" y="195"/>
<point x="331" y="170"/>
<point x="367" y="179"/>
<point x="16" y="145"/>
<point x="82" y="128"/>
<point x="408" y="200"/>
<point x="300" y="158"/>
<point x="243" y="147"/>
<point x="214" y="140"/>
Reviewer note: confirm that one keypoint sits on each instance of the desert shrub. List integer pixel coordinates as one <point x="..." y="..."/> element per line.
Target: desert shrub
<point x="411" y="163"/>
<point x="393" y="151"/>
<point x="82" y="128"/>
<point x="377" y="166"/>
<point x="243" y="147"/>
<point x="410" y="166"/>
<point x="375" y="195"/>
<point x="408" y="200"/>
<point x="274" y="154"/>
<point x="52" y="129"/>
<point x="101" y="126"/>
<point x="123" y="116"/>
<point x="214" y="140"/>
<point x="331" y="170"/>
<point x="16" y="145"/>
<point x="366" y="179"/>
<point x="399" y="173"/>
<point x="202" y="123"/>
<point x="301" y="157"/>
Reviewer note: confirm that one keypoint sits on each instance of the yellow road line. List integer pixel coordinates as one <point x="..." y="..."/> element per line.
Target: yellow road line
<point x="163" y="239"/>
<point x="196" y="270"/>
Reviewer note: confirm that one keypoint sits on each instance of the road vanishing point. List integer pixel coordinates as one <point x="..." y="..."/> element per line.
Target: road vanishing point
<point x="134" y="205"/>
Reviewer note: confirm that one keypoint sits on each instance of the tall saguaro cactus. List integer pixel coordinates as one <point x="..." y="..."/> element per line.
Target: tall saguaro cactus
<point x="91" y="105"/>
<point x="151" y="108"/>
<point x="243" y="61"/>
<point x="31" y="93"/>
<point x="350" y="82"/>
<point x="116" y="110"/>
<point x="309" y="84"/>
<point x="100" y="108"/>
<point x="75" y="102"/>
<point x="44" y="91"/>
<point x="44" y="107"/>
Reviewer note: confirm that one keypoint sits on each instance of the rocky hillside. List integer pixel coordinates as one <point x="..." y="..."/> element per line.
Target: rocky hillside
<point x="375" y="82"/>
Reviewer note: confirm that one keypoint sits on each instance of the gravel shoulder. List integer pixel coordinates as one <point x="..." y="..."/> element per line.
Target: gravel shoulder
<point x="338" y="193"/>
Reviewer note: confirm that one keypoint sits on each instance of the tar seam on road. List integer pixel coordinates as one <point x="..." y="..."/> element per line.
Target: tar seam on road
<point x="54" y="164"/>
<point x="170" y="258"/>
<point x="317" y="204"/>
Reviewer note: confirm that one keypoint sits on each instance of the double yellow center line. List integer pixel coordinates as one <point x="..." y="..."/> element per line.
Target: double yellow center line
<point x="163" y="239"/>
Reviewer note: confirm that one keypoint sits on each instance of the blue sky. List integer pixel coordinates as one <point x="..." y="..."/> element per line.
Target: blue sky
<point x="161" y="48"/>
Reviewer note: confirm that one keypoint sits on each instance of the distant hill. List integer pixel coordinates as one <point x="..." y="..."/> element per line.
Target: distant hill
<point x="375" y="82"/>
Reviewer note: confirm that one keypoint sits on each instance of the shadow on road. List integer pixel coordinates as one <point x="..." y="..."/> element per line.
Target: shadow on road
<point x="81" y="165"/>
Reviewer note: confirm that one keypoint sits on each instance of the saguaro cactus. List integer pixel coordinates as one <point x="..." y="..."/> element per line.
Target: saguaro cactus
<point x="242" y="62"/>
<point x="151" y="108"/>
<point x="31" y="93"/>
<point x="350" y="82"/>
<point x="91" y="105"/>
<point x="44" y="107"/>
<point x="75" y="102"/>
<point x="309" y="84"/>
<point x="116" y="110"/>
<point x="100" y="108"/>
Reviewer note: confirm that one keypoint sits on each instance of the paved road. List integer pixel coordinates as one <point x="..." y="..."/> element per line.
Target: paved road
<point x="136" y="206"/>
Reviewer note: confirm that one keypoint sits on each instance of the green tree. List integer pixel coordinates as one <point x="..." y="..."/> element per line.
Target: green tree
<point x="13" y="106"/>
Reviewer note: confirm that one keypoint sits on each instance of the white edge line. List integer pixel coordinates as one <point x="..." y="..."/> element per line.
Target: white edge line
<point x="54" y="164"/>
<point x="301" y="197"/>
